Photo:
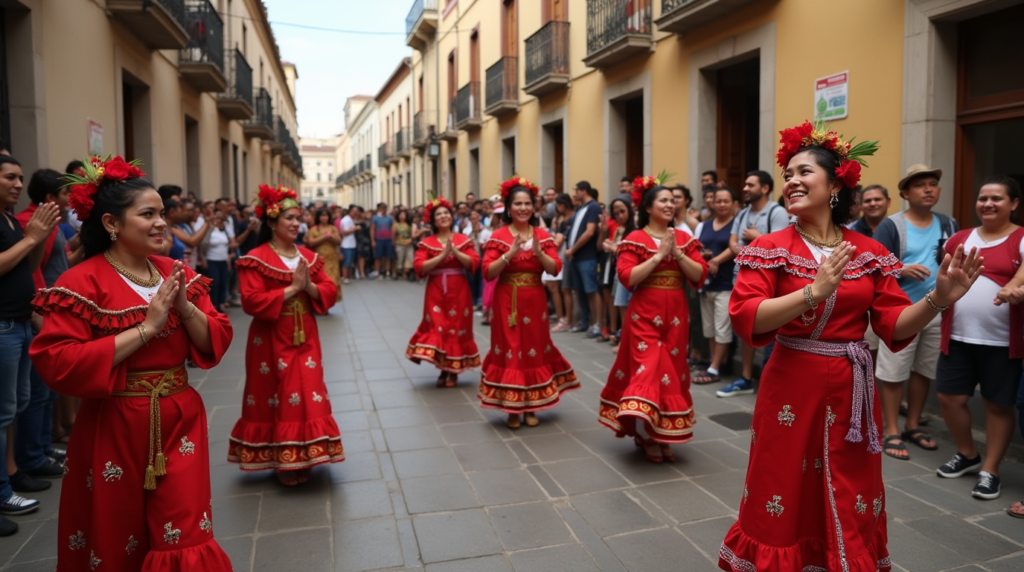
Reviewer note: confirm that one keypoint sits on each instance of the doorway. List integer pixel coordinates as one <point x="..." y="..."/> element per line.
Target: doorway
<point x="474" y="171"/>
<point x="990" y="107"/>
<point x="135" y="120"/>
<point x="633" y="115"/>
<point x="508" y="158"/>
<point x="738" y="93"/>
<point x="192" y="179"/>
<point x="453" y="180"/>
<point x="553" y="159"/>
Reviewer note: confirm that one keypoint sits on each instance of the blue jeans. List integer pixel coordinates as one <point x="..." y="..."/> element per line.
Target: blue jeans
<point x="350" y="257"/>
<point x="584" y="281"/>
<point x="15" y="386"/>
<point x="33" y="443"/>
<point x="220" y="273"/>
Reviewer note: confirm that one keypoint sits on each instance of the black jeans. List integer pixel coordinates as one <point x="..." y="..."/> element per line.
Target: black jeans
<point x="220" y="273"/>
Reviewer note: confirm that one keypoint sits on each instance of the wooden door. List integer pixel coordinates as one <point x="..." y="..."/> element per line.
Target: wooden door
<point x="510" y="29"/>
<point x="453" y="89"/>
<point x="634" y="116"/>
<point x="559" y="11"/>
<point x="731" y="163"/>
<point x="557" y="140"/>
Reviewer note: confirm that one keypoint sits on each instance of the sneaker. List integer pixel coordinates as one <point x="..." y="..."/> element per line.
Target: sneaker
<point x="560" y="327"/>
<point x="739" y="387"/>
<point x="594" y="332"/>
<point x="7" y="527"/>
<point x="58" y="455"/>
<point x="22" y="482"/>
<point x="478" y="313"/>
<point x="18" y="505"/>
<point x="49" y="470"/>
<point x="577" y="329"/>
<point x="987" y="487"/>
<point x="959" y="466"/>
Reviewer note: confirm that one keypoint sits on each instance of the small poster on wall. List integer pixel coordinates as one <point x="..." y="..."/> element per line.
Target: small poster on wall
<point x="95" y="139"/>
<point x="832" y="97"/>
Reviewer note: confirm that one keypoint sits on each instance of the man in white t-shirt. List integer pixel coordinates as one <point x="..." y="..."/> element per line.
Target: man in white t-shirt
<point x="347" y="229"/>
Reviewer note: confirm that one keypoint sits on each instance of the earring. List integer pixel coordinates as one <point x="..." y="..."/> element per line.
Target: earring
<point x="113" y="235"/>
<point x="834" y="200"/>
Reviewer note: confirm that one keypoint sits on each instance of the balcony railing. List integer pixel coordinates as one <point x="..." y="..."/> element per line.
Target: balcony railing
<point x="420" y="23"/>
<point x="382" y="155"/>
<point x="467" y="107"/>
<point x="547" y="58"/>
<point x="236" y="101"/>
<point x="281" y="138"/>
<point x="681" y="16"/>
<point x="402" y="142"/>
<point x="205" y="46"/>
<point x="362" y="166"/>
<point x="616" y="30"/>
<point x="503" y="86"/>
<point x="421" y="128"/>
<point x="369" y="164"/>
<point x="160" y="24"/>
<point x="262" y="123"/>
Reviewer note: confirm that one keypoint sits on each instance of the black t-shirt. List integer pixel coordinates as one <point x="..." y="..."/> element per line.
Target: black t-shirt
<point x="591" y="213"/>
<point x="251" y="241"/>
<point x="17" y="286"/>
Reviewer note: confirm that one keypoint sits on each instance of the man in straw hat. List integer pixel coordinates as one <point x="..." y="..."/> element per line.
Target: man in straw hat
<point x="916" y="237"/>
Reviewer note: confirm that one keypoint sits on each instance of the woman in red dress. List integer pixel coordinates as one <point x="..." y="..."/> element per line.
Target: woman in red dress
<point x="286" y="422"/>
<point x="118" y="330"/>
<point x="524" y="372"/>
<point x="814" y="498"/>
<point x="445" y="336"/>
<point x="648" y="390"/>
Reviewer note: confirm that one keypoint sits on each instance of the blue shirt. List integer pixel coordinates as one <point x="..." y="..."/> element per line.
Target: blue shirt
<point x="922" y="244"/>
<point x="383" y="226"/>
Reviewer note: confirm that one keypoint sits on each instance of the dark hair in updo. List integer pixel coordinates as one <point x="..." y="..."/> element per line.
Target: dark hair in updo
<point x="506" y="216"/>
<point x="643" y="218"/>
<point x="113" y="198"/>
<point x="433" y="213"/>
<point x="827" y="160"/>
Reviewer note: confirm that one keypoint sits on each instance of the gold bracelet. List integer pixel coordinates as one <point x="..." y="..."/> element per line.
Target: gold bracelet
<point x="142" y="333"/>
<point x="809" y="297"/>
<point x="191" y="314"/>
<point x="681" y="256"/>
<point x="933" y="305"/>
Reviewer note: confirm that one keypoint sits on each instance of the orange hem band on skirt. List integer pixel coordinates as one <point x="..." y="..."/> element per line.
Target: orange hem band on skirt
<point x="527" y="399"/>
<point x="440" y="360"/>
<point x="293" y="456"/>
<point x="675" y="428"/>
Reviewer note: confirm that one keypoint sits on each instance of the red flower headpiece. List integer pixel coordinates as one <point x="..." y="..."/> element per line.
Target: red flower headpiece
<point x="645" y="183"/>
<point x="85" y="182"/>
<point x="850" y="156"/>
<point x="433" y="204"/>
<point x="272" y="200"/>
<point x="518" y="181"/>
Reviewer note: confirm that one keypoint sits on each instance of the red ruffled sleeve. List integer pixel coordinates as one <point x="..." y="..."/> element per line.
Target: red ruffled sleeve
<point x="221" y="331"/>
<point x="629" y="255"/>
<point x="469" y="249"/>
<point x="890" y="300"/>
<point x="258" y="300"/>
<point x="328" y="290"/>
<point x="65" y="348"/>
<point x="493" y="250"/>
<point x="755" y="283"/>
<point x="423" y="254"/>
<point x="690" y="247"/>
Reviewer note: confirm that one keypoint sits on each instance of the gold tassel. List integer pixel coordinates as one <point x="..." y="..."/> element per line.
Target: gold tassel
<point x="161" y="464"/>
<point x="295" y="339"/>
<point x="150" y="482"/>
<point x="302" y="335"/>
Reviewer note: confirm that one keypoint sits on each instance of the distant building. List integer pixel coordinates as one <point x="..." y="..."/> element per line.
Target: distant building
<point x="320" y="169"/>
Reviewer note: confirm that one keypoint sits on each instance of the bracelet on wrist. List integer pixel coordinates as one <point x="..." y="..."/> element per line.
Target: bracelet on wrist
<point x="809" y="297"/>
<point x="142" y="334"/>
<point x="933" y="305"/>
<point x="191" y="314"/>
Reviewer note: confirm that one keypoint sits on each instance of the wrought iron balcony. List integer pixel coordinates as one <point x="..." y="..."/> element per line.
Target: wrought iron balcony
<point x="421" y="24"/>
<point x="368" y="165"/>
<point x="467" y="107"/>
<point x="547" y="59"/>
<point x="201" y="63"/>
<point x="451" y="131"/>
<point x="421" y="129"/>
<point x="382" y="155"/>
<point x="503" y="87"/>
<point x="402" y="142"/>
<point x="236" y="101"/>
<point x="681" y="16"/>
<point x="262" y="123"/>
<point x="160" y="24"/>
<point x="617" y="30"/>
<point x="277" y="144"/>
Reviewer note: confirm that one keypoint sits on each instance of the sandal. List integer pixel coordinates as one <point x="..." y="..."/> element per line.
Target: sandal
<point x="888" y="445"/>
<point x="1016" y="510"/>
<point x="531" y="420"/>
<point x="453" y="379"/>
<point x="667" y="454"/>
<point x="513" y="421"/>
<point x="288" y="478"/>
<point x="303" y="476"/>
<point x="643" y="444"/>
<point x="442" y="379"/>
<point x="918" y="437"/>
<point x="704" y="378"/>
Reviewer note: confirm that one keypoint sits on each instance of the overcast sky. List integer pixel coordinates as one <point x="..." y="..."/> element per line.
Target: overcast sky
<point x="333" y="66"/>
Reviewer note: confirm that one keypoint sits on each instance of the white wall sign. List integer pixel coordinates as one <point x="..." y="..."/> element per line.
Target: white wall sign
<point x="95" y="138"/>
<point x="832" y="97"/>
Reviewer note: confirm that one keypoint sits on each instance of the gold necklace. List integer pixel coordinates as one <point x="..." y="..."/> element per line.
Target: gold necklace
<point x="517" y="233"/>
<point x="154" y="275"/>
<point x="822" y="243"/>
<point x="281" y="254"/>
<point x="652" y="235"/>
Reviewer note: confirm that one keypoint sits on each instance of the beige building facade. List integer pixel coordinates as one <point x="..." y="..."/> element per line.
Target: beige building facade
<point x="195" y="89"/>
<point x="320" y="168"/>
<point x="567" y="90"/>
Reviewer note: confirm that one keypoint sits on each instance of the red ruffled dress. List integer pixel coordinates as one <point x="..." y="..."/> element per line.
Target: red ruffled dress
<point x="108" y="519"/>
<point x="286" y="419"/>
<point x="524" y="371"/>
<point x="814" y="498"/>
<point x="650" y="381"/>
<point x="445" y="336"/>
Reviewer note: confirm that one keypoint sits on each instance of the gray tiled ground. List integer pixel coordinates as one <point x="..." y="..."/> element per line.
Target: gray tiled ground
<point x="433" y="483"/>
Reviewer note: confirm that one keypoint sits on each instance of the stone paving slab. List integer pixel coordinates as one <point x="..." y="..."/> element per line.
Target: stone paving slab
<point x="434" y="483"/>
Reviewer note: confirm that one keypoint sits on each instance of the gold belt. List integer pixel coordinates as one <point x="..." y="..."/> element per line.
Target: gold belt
<point x="154" y="385"/>
<point x="515" y="280"/>
<point x="664" y="280"/>
<point x="297" y="307"/>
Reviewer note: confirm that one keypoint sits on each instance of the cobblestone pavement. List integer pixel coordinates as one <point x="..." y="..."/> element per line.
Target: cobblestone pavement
<point x="434" y="483"/>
